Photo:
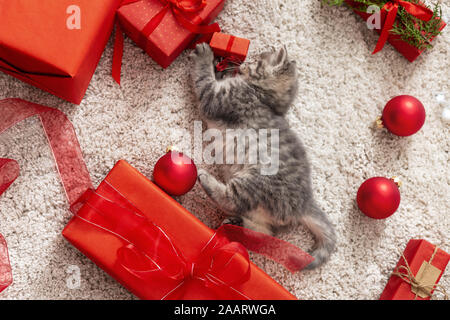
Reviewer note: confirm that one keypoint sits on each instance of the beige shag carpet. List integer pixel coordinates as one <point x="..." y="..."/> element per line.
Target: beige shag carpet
<point x="343" y="88"/>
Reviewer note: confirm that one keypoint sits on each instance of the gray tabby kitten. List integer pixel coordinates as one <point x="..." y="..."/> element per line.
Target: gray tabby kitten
<point x="259" y="97"/>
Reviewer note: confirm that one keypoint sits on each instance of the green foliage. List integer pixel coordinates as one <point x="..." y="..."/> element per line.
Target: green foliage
<point x="414" y="31"/>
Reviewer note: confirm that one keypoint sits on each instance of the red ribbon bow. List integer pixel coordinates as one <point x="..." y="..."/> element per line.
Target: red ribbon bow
<point x="151" y="257"/>
<point x="391" y="7"/>
<point x="180" y="9"/>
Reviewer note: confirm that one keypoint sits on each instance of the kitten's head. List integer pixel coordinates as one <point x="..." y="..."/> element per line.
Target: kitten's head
<point x="274" y="73"/>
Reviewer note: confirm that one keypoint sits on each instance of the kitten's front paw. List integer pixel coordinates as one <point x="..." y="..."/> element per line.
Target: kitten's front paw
<point x="201" y="173"/>
<point x="203" y="53"/>
<point x="203" y="178"/>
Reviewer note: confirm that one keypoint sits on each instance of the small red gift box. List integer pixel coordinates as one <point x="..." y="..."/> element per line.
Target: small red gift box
<point x="225" y="45"/>
<point x="407" y="50"/>
<point x="164" y="28"/>
<point x="38" y="44"/>
<point x="417" y="272"/>
<point x="103" y="227"/>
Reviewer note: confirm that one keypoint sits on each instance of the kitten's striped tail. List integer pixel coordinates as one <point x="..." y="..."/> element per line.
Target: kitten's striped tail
<point x="325" y="236"/>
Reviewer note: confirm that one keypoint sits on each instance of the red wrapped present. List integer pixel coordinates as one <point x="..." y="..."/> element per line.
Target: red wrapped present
<point x="226" y="45"/>
<point x="233" y="49"/>
<point x="388" y="16"/>
<point x="164" y="28"/>
<point x="417" y="273"/>
<point x="144" y="238"/>
<point x="44" y="43"/>
<point x="119" y="225"/>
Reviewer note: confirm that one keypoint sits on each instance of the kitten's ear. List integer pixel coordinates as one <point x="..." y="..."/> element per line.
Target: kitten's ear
<point x="281" y="56"/>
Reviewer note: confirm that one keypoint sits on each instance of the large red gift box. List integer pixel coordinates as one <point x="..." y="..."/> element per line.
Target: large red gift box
<point x="38" y="44"/>
<point x="407" y="50"/>
<point x="161" y="27"/>
<point x="127" y="186"/>
<point x="422" y="264"/>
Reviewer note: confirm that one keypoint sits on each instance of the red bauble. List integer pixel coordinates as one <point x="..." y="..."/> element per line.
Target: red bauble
<point x="175" y="173"/>
<point x="403" y="115"/>
<point x="378" y="197"/>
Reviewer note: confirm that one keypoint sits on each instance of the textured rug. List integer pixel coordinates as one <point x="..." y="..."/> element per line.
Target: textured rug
<point x="343" y="88"/>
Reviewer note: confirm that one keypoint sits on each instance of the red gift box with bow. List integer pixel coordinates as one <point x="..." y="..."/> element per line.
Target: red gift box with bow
<point x="140" y="235"/>
<point x="417" y="273"/>
<point x="158" y="250"/>
<point x="233" y="49"/>
<point x="40" y="46"/>
<point x="388" y="15"/>
<point x="164" y="28"/>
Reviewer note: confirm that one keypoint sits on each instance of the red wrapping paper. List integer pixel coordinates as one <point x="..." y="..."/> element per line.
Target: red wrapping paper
<point x="225" y="45"/>
<point x="37" y="47"/>
<point x="188" y="234"/>
<point x="416" y="253"/>
<point x="408" y="51"/>
<point x="170" y="38"/>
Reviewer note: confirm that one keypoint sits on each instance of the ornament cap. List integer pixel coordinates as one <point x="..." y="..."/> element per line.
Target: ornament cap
<point x="379" y="122"/>
<point x="171" y="148"/>
<point x="397" y="181"/>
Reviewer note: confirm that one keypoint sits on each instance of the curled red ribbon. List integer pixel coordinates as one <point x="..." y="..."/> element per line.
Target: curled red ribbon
<point x="179" y="9"/>
<point x="391" y="7"/>
<point x="9" y="171"/>
<point x="66" y="151"/>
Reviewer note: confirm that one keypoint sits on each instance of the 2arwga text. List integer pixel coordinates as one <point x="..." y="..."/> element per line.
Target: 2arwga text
<point x="225" y="309"/>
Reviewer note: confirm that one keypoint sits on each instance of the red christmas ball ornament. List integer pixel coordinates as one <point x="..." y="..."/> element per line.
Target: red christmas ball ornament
<point x="403" y="115"/>
<point x="175" y="173"/>
<point x="379" y="197"/>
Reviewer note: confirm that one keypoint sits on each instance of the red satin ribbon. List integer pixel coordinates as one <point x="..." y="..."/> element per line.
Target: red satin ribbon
<point x="65" y="149"/>
<point x="179" y="9"/>
<point x="9" y="171"/>
<point x="151" y="257"/>
<point x="391" y="7"/>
